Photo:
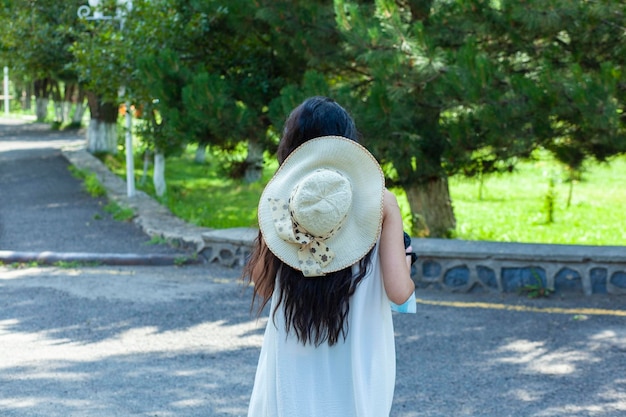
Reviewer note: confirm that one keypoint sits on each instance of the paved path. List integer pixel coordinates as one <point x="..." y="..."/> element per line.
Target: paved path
<point x="44" y="208"/>
<point x="166" y="341"/>
<point x="180" y="341"/>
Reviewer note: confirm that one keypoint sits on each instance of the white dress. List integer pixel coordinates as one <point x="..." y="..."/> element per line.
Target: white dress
<point x="353" y="378"/>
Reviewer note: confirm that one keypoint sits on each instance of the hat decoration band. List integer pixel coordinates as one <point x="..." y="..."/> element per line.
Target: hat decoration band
<point x="322" y="210"/>
<point x="313" y="254"/>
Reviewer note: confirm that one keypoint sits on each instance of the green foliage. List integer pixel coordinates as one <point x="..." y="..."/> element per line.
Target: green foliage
<point x="35" y="45"/>
<point x="157" y="240"/>
<point x="93" y="186"/>
<point x="68" y="264"/>
<point x="23" y="265"/>
<point x="208" y="72"/>
<point x="59" y="264"/>
<point x="104" y="51"/>
<point x="549" y="201"/>
<point x="76" y="173"/>
<point x="34" y="40"/>
<point x="118" y="212"/>
<point x="313" y="84"/>
<point x="438" y="88"/>
<point x="536" y="290"/>
<point x="90" y="181"/>
<point x="472" y="86"/>
<point x="184" y="260"/>
<point x="581" y="73"/>
<point x="198" y="76"/>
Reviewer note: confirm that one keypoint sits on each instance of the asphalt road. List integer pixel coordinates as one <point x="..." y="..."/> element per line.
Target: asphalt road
<point x="44" y="208"/>
<point x="181" y="341"/>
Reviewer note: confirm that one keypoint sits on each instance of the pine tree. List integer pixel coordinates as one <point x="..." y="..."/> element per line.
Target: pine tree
<point x="471" y="86"/>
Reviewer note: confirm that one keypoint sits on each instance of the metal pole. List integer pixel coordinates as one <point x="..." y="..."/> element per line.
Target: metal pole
<point x="6" y="91"/>
<point x="83" y="12"/>
<point x="130" y="161"/>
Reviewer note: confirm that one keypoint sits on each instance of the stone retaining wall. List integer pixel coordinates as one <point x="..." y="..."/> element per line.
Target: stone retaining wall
<point x="464" y="266"/>
<point x="467" y="266"/>
<point x="228" y="247"/>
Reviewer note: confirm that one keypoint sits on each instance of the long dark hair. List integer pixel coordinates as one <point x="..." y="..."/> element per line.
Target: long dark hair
<point x="316" y="309"/>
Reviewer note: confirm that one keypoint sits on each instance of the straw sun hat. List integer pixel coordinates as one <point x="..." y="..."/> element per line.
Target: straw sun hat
<point x="322" y="211"/>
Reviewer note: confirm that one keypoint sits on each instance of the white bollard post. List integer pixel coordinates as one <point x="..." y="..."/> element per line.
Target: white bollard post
<point x="6" y="91"/>
<point x="130" y="161"/>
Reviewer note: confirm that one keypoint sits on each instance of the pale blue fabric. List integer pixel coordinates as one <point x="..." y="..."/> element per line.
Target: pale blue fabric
<point x="409" y="306"/>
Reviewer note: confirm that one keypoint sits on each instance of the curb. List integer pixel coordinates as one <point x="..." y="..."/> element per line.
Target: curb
<point x="153" y="218"/>
<point x="125" y="259"/>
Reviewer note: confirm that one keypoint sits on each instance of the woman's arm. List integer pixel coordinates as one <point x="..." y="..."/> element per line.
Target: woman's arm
<point x="395" y="268"/>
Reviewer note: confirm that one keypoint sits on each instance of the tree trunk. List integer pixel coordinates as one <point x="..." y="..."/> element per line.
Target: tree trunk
<point x="42" y="94"/>
<point x="26" y="96"/>
<point x="254" y="162"/>
<point x="79" y="111"/>
<point x="66" y="110"/>
<point x="58" y="112"/>
<point x="201" y="153"/>
<point x="57" y="101"/>
<point x="570" y="192"/>
<point x="158" y="176"/>
<point x="431" y="206"/>
<point x="41" y="108"/>
<point x="146" y="165"/>
<point x="102" y="137"/>
<point x="69" y="99"/>
<point x="102" y="131"/>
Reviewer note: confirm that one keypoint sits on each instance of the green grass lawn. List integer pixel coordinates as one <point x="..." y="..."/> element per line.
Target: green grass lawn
<point x="200" y="193"/>
<point x="511" y="208"/>
<point x="513" y="205"/>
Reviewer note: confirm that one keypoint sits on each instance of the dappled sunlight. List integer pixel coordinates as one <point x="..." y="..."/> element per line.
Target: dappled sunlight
<point x="117" y="283"/>
<point x="525" y="351"/>
<point x="582" y="410"/>
<point x="525" y="395"/>
<point x="33" y="401"/>
<point x="209" y="337"/>
<point x="611" y="402"/>
<point x="10" y="339"/>
<point x="604" y="335"/>
<point x="123" y="286"/>
<point x="78" y="341"/>
<point x="560" y="363"/>
<point x="183" y="342"/>
<point x="19" y="402"/>
<point x="166" y="384"/>
<point x="547" y="368"/>
<point x="609" y="339"/>
<point x="51" y="374"/>
<point x="190" y="402"/>
<point x="7" y="273"/>
<point x="21" y="145"/>
<point x="616" y="396"/>
<point x="537" y="359"/>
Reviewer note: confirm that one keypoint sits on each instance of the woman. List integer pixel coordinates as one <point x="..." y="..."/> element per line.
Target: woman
<point x="331" y="258"/>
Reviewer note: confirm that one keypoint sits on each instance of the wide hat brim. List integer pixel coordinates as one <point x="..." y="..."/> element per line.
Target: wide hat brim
<point x="363" y="224"/>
